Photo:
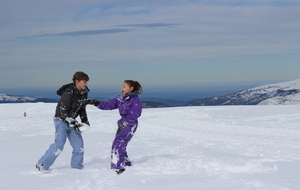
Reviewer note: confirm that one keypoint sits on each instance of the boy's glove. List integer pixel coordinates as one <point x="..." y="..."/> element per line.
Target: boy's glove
<point x="72" y="122"/>
<point x="93" y="102"/>
<point x="76" y="127"/>
<point x="84" y="126"/>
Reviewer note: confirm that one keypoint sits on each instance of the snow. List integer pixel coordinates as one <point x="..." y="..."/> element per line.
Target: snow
<point x="282" y="100"/>
<point x="219" y="148"/>
<point x="289" y="85"/>
<point x="270" y="91"/>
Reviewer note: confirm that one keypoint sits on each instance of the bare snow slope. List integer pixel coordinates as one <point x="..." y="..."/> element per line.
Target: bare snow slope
<point x="188" y="148"/>
<point x="10" y="98"/>
<point x="285" y="93"/>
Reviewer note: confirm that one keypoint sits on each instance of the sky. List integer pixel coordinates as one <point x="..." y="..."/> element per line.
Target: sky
<point x="165" y="43"/>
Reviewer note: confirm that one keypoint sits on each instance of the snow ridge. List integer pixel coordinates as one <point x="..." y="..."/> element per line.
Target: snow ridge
<point x="11" y="98"/>
<point x="285" y="93"/>
<point x="6" y="98"/>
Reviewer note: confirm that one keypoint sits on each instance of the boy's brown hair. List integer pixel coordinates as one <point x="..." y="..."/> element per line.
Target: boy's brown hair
<point x="79" y="75"/>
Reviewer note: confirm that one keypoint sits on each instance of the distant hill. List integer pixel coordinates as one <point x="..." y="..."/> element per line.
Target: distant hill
<point x="6" y="98"/>
<point x="272" y="94"/>
<point x="285" y="93"/>
<point x="148" y="104"/>
<point x="164" y="101"/>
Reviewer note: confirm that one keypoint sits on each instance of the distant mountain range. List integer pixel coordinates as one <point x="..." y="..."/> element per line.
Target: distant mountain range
<point x="284" y="93"/>
<point x="148" y="104"/>
<point x="273" y="94"/>
<point x="5" y="98"/>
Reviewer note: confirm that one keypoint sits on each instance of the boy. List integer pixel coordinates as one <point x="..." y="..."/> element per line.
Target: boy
<point x="70" y="105"/>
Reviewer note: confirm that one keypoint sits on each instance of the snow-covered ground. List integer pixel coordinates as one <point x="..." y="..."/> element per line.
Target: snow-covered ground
<point x="188" y="148"/>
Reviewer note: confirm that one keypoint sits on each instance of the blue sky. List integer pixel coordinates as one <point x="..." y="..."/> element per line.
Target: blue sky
<point x="159" y="43"/>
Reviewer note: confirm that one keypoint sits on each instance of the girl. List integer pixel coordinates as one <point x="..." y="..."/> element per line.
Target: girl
<point x="130" y="109"/>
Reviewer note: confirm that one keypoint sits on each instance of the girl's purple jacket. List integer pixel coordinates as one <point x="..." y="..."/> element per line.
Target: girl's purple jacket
<point x="130" y="108"/>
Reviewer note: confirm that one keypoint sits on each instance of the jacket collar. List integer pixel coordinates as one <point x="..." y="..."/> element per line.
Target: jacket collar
<point x="131" y="94"/>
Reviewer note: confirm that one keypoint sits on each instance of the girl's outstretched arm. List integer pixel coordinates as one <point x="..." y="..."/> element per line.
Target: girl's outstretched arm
<point x="109" y="105"/>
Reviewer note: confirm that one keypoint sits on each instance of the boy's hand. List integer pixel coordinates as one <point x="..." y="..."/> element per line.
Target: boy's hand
<point x="93" y="102"/>
<point x="72" y="122"/>
<point x="76" y="127"/>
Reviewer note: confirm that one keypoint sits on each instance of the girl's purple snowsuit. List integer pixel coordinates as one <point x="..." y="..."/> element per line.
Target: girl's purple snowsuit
<point x="130" y="108"/>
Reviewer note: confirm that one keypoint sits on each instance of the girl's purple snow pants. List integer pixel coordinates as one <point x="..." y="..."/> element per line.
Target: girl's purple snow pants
<point x="118" y="149"/>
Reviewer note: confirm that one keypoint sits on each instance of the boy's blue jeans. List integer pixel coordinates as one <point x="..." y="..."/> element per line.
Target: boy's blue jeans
<point x="62" y="132"/>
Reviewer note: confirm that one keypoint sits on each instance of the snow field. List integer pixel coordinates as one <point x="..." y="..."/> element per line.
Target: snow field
<point x="228" y="147"/>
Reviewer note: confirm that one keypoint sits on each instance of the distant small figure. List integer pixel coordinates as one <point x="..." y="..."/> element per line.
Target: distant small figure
<point x="24" y="114"/>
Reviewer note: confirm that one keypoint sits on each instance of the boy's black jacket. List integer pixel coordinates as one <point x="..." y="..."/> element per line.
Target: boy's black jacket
<point x="70" y="101"/>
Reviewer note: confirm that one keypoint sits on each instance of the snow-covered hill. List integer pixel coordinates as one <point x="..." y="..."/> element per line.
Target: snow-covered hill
<point x="5" y="98"/>
<point x="178" y="148"/>
<point x="285" y="93"/>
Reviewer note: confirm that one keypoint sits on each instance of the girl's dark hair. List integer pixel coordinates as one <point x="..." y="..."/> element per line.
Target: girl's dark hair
<point x="135" y="84"/>
<point x="79" y="75"/>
